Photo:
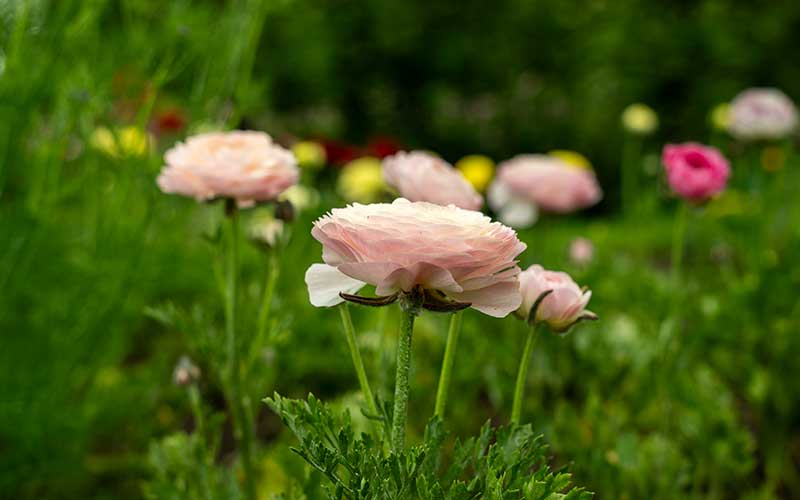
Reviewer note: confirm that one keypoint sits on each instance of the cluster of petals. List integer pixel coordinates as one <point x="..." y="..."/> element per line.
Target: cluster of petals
<point x="694" y="171"/>
<point x="246" y="166"/>
<point x="421" y="176"/>
<point x="402" y="245"/>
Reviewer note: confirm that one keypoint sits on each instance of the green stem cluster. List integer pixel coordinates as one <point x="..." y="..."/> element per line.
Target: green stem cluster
<point x="358" y="363"/>
<point x="239" y="408"/>
<point x="201" y="433"/>
<point x="273" y="270"/>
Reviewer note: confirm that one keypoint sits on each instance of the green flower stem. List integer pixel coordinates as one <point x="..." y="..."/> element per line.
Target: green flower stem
<point x="401" y="383"/>
<point x="447" y="364"/>
<point x="200" y="433"/>
<point x="273" y="271"/>
<point x="358" y="364"/>
<point x="678" y="238"/>
<point x="242" y="430"/>
<point x="522" y="374"/>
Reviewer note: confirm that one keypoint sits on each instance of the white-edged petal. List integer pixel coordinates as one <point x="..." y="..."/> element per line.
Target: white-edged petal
<point x="326" y="282"/>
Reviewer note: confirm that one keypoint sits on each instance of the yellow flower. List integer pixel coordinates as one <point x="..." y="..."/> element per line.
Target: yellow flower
<point x="572" y="158"/>
<point x="477" y="169"/>
<point x="133" y="141"/>
<point x="128" y="142"/>
<point x="362" y="180"/>
<point x="640" y="119"/>
<point x="103" y="140"/>
<point x="309" y="154"/>
<point x="720" y="116"/>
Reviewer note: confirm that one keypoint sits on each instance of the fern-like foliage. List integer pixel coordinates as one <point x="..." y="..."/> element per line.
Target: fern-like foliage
<point x="507" y="463"/>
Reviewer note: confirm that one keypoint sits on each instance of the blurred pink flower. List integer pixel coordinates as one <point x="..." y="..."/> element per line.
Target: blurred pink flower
<point x="562" y="307"/>
<point x="694" y="171"/>
<point x="550" y="183"/>
<point x="421" y="176"/>
<point x="398" y="246"/>
<point x="762" y="113"/>
<point x="243" y="165"/>
<point x="581" y="251"/>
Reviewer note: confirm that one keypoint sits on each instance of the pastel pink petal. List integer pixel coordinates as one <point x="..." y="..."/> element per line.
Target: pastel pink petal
<point x="498" y="300"/>
<point x="373" y="273"/>
<point x="325" y="282"/>
<point x="422" y="273"/>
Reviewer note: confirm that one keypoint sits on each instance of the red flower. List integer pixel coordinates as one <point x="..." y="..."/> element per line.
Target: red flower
<point x="339" y="153"/>
<point x="170" y="121"/>
<point x="382" y="146"/>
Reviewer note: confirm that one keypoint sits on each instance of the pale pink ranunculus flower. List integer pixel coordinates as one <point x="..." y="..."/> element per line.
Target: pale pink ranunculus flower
<point x="550" y="183"/>
<point x="421" y="176"/>
<point x="243" y="165"/>
<point x="695" y="172"/>
<point x="564" y="305"/>
<point x="581" y="251"/>
<point x="401" y="245"/>
<point x="762" y="113"/>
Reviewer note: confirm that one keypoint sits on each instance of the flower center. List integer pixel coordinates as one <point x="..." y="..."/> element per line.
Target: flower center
<point x="696" y="160"/>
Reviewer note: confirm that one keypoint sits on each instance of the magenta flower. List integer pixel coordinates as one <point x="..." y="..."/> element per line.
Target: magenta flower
<point x="695" y="172"/>
<point x="242" y="165"/>
<point x="421" y="176"/>
<point x="451" y="253"/>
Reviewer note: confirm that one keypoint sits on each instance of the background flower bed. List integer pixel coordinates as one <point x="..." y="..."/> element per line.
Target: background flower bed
<point x="91" y="247"/>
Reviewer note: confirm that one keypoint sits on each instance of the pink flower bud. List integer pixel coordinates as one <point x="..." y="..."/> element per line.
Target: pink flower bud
<point x="564" y="303"/>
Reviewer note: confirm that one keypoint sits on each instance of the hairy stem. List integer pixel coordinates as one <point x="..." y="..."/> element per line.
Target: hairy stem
<point x="447" y="364"/>
<point x="401" y="384"/>
<point x="522" y="374"/>
<point x="358" y="363"/>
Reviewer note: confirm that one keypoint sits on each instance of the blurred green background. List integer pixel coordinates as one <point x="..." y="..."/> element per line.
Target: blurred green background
<point x="89" y="245"/>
